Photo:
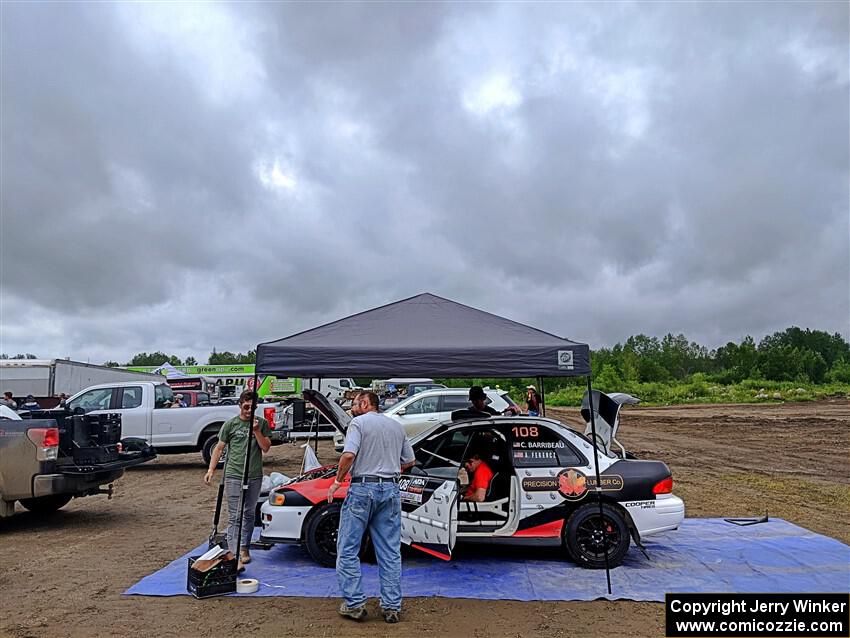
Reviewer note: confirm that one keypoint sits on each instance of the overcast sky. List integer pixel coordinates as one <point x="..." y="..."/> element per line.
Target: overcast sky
<point x="179" y="177"/>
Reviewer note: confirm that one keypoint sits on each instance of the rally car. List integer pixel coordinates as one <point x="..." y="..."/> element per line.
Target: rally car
<point x="541" y="492"/>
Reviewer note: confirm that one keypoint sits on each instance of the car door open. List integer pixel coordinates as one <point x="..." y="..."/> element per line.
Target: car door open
<point x="429" y="513"/>
<point x="430" y="491"/>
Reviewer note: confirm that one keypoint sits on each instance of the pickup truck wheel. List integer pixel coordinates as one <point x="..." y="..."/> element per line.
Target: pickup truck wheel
<point x="46" y="504"/>
<point x="207" y="448"/>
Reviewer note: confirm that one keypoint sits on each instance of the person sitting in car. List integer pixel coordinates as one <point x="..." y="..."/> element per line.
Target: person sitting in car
<point x="481" y="473"/>
<point x="478" y="409"/>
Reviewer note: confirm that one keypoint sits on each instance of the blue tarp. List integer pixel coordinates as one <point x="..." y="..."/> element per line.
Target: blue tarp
<point x="703" y="555"/>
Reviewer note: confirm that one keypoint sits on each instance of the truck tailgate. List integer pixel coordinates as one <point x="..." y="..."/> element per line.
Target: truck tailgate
<point x="120" y="464"/>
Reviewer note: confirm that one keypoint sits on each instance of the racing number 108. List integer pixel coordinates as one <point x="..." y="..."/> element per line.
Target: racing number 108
<point x="525" y="432"/>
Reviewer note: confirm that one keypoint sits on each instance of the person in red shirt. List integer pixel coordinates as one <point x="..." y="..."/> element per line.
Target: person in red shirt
<point x="476" y="491"/>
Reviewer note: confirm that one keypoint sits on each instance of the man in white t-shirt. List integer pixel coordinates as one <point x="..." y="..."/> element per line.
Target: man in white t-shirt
<point x="376" y="450"/>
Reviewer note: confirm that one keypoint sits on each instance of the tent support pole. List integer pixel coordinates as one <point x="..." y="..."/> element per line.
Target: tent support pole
<point x="598" y="489"/>
<point x="542" y="396"/>
<point x="316" y="441"/>
<point x="248" y="447"/>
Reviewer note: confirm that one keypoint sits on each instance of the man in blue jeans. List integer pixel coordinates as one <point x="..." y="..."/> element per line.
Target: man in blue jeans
<point x="375" y="450"/>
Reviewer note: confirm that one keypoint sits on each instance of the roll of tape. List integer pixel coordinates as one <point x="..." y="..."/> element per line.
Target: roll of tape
<point x="247" y="585"/>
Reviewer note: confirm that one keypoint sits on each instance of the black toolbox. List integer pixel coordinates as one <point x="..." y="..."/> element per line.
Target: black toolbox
<point x="217" y="581"/>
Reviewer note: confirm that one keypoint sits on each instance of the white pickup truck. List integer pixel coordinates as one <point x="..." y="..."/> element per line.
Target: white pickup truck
<point x="146" y="413"/>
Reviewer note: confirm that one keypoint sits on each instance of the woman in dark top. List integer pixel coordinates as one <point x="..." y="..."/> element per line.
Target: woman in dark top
<point x="533" y="401"/>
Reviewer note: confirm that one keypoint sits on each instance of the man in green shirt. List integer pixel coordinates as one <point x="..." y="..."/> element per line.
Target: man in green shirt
<point x="234" y="434"/>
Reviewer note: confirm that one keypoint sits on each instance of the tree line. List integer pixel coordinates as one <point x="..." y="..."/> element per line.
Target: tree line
<point x="794" y="354"/>
<point x="216" y="358"/>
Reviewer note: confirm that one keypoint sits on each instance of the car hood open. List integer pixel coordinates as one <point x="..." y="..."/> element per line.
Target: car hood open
<point x="331" y="410"/>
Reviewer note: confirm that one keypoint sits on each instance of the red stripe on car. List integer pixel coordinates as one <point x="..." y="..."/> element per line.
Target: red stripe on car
<point x="547" y="530"/>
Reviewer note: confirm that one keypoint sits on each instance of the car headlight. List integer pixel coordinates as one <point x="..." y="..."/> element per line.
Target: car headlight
<point x="277" y="498"/>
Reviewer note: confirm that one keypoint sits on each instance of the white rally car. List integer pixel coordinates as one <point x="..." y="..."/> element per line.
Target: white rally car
<point x="541" y="491"/>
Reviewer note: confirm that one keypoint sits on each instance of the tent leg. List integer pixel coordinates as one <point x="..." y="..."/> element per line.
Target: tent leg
<point x="316" y="442"/>
<point x="598" y="489"/>
<point x="542" y="396"/>
<point x="248" y="447"/>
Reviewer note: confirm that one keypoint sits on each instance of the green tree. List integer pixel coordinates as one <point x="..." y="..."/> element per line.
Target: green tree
<point x="227" y="357"/>
<point x="737" y="362"/>
<point x="840" y="372"/>
<point x="609" y="379"/>
<point x="154" y="359"/>
<point x="830" y="347"/>
<point x="190" y="361"/>
<point x="112" y="364"/>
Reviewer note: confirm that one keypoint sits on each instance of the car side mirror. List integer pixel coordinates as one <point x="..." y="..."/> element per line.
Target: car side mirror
<point x="402" y="412"/>
<point x="79" y="411"/>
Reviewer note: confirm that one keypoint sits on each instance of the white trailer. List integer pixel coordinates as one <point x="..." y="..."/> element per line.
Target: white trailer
<point x="46" y="378"/>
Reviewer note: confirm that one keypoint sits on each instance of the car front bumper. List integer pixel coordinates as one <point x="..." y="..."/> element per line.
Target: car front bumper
<point x="283" y="523"/>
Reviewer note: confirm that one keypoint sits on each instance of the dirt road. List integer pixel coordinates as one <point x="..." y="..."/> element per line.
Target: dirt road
<point x="63" y="575"/>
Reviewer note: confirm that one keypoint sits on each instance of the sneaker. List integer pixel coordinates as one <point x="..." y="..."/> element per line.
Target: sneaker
<point x="390" y="615"/>
<point x="244" y="556"/>
<point x="355" y="613"/>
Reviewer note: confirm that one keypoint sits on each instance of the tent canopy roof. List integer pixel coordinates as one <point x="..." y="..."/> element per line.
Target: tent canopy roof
<point x="425" y="335"/>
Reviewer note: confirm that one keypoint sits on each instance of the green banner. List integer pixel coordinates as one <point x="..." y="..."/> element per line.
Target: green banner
<point x="217" y="370"/>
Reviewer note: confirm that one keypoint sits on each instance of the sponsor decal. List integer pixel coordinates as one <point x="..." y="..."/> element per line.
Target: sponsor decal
<point x="565" y="360"/>
<point x="530" y="445"/>
<point x="540" y="484"/>
<point x="411" y="497"/>
<point x="412" y="485"/>
<point x="572" y="483"/>
<point x="644" y="505"/>
<point x="535" y="455"/>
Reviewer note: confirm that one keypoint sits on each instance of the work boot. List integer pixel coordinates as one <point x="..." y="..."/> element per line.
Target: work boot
<point x="390" y="615"/>
<point x="244" y="556"/>
<point x="355" y="613"/>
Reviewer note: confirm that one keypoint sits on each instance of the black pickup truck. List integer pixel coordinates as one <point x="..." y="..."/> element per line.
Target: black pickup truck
<point x="49" y="457"/>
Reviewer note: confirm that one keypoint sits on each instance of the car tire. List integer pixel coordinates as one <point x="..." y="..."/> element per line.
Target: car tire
<point x="207" y="449"/>
<point x="320" y="535"/>
<point x="46" y="504"/>
<point x="583" y="538"/>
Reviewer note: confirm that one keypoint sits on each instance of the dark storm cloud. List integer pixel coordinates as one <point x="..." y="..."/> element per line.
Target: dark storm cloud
<point x="180" y="177"/>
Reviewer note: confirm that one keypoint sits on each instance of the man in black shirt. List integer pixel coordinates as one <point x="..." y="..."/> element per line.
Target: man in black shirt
<point x="479" y="409"/>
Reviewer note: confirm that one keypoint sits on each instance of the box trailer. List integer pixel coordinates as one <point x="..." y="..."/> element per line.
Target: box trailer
<point x="46" y="378"/>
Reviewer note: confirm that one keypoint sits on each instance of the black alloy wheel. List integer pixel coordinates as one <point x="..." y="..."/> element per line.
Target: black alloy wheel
<point x="321" y="532"/>
<point x="587" y="536"/>
<point x="322" y="529"/>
